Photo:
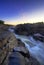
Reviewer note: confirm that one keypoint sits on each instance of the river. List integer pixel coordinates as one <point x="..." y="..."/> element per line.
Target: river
<point x="35" y="48"/>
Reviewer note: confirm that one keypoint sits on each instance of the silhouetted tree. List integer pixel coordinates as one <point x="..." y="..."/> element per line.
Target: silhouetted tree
<point x="1" y="22"/>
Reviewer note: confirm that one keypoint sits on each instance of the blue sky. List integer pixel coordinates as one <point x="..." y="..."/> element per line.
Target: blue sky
<point x="16" y="10"/>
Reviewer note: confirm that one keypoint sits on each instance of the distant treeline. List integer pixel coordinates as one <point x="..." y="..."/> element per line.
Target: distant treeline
<point x="30" y="29"/>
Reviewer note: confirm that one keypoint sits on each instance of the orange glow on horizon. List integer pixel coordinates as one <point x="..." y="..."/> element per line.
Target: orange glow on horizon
<point x="22" y="21"/>
<point x="27" y="18"/>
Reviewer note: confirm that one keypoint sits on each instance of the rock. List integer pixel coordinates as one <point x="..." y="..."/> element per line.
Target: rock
<point x="12" y="41"/>
<point x="39" y="36"/>
<point x="4" y="46"/>
<point x="16" y="59"/>
<point x="33" y="61"/>
<point x="22" y="49"/>
<point x="7" y="42"/>
<point x="20" y="43"/>
<point x="27" y="61"/>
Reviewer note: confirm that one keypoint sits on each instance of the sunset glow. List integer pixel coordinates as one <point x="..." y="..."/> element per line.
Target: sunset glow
<point x="21" y="11"/>
<point x="27" y="18"/>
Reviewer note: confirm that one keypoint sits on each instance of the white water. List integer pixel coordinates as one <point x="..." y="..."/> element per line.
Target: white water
<point x="35" y="48"/>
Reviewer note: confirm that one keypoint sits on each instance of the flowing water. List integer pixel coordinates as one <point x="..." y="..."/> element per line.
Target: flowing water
<point x="35" y="48"/>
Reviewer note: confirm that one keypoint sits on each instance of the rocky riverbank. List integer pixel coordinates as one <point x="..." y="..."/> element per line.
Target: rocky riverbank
<point x="13" y="51"/>
<point x="7" y="43"/>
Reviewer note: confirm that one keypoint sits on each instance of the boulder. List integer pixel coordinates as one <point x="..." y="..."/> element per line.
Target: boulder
<point x="22" y="50"/>
<point x="16" y="59"/>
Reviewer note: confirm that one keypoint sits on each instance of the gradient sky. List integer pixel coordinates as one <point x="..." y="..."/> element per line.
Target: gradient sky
<point x="16" y="11"/>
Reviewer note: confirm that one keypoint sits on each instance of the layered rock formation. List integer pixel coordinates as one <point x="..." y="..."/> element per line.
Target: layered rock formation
<point x="7" y="43"/>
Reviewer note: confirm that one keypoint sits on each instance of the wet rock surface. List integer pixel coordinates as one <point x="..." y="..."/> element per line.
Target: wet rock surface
<point x="21" y="56"/>
<point x="16" y="59"/>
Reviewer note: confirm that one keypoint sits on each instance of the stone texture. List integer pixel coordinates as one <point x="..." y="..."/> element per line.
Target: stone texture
<point x="12" y="41"/>
<point x="20" y="43"/>
<point x="16" y="59"/>
<point x="7" y="43"/>
<point x="22" y="49"/>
